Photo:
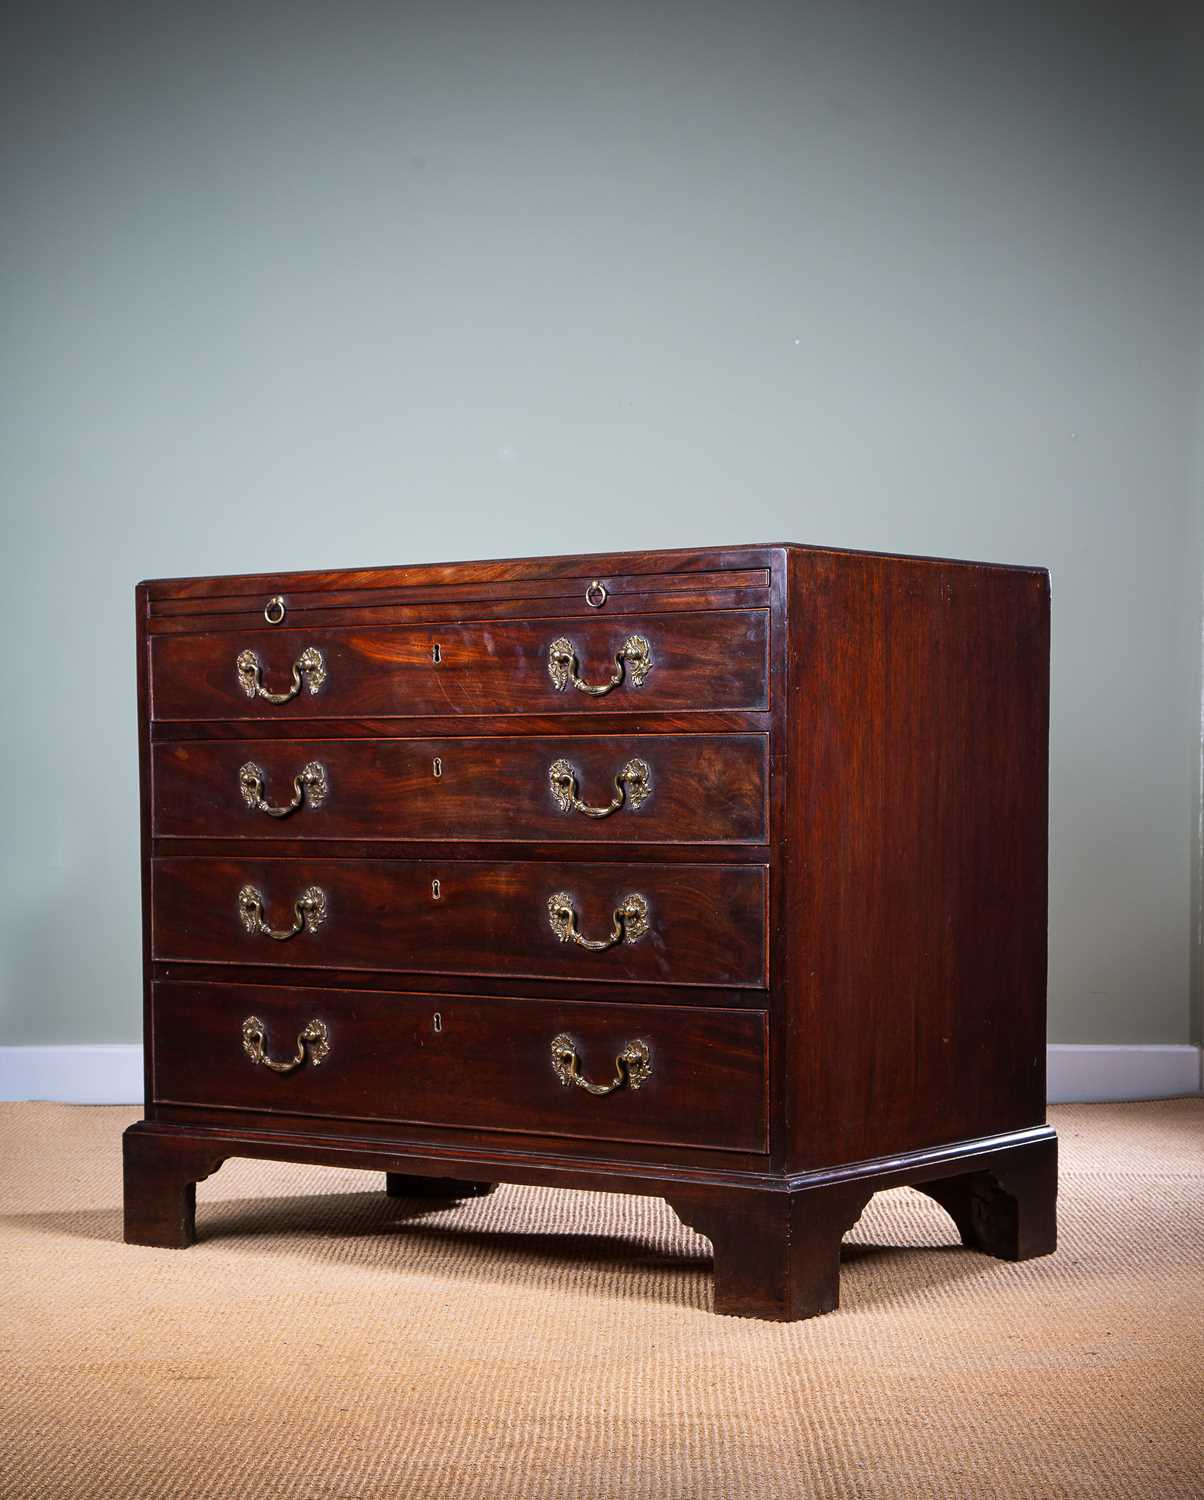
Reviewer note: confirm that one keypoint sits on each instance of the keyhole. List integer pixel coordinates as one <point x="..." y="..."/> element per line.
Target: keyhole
<point x="436" y="653"/>
<point x="437" y="767"/>
<point x="438" y="1022"/>
<point x="436" y="889"/>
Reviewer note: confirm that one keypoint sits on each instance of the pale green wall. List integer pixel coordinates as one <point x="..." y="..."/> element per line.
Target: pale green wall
<point x="302" y="285"/>
<point x="1195" y="564"/>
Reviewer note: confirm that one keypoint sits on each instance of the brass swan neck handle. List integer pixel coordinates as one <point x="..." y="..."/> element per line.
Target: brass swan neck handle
<point x="309" y="912"/>
<point x="629" y="923"/>
<point x="310" y="666"/>
<point x="632" y="784"/>
<point x="633" y="1066"/>
<point x="313" y="1034"/>
<point x="309" y="784"/>
<point x="633" y="660"/>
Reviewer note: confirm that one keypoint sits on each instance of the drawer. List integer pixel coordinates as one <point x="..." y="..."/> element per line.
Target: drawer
<point x="692" y="1076"/>
<point x="717" y="659"/>
<point x="628" y="788"/>
<point x="698" y="924"/>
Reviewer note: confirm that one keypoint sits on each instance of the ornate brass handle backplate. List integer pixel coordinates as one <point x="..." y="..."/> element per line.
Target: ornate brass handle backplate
<point x="633" y="784"/>
<point x="633" y="1066"/>
<point x="630" y="923"/>
<point x="309" y="912"/>
<point x="309" y="783"/>
<point x="633" y="660"/>
<point x="314" y="1034"/>
<point x="309" y="666"/>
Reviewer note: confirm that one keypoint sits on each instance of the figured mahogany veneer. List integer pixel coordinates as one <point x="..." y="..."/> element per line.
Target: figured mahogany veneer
<point x="707" y="789"/>
<point x="710" y="659"/>
<point x="465" y="1061"/>
<point x="801" y="835"/>
<point x="706" y="922"/>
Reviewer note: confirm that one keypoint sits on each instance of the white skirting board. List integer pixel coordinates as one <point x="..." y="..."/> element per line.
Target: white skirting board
<point x="113" y="1074"/>
<point x="1087" y="1074"/>
<point x="97" y="1074"/>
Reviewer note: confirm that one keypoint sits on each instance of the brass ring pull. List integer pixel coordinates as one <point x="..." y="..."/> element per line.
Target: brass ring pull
<point x="309" y="912"/>
<point x="633" y="783"/>
<point x="310" y="781"/>
<point x="633" y="659"/>
<point x="314" y="1033"/>
<point x="273" y="610"/>
<point x="633" y="1066"/>
<point x="630" y="923"/>
<point x="309" y="665"/>
<point x="596" y="595"/>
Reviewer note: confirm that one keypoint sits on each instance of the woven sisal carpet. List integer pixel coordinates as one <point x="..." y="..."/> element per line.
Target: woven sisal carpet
<point x="323" y="1341"/>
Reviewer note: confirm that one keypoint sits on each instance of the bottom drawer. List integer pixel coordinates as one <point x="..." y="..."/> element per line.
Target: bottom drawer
<point x="681" y="1075"/>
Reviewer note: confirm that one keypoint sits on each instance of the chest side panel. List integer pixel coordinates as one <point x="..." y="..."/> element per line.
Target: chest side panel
<point x="918" y="707"/>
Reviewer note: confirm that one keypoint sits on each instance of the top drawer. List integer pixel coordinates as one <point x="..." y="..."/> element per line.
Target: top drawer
<point x="716" y="659"/>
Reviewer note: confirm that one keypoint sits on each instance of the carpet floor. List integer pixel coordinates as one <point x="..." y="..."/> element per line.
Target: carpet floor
<point x="322" y="1342"/>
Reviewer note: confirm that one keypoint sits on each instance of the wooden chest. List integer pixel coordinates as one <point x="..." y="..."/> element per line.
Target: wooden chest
<point x="715" y="875"/>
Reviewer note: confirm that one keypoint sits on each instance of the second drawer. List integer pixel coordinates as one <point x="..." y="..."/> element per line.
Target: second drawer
<point x="697" y="924"/>
<point x="663" y="788"/>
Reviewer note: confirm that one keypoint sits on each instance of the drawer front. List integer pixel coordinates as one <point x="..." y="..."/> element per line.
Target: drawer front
<point x="636" y="923"/>
<point x="712" y="660"/>
<point x="690" y="1076"/>
<point x="629" y="788"/>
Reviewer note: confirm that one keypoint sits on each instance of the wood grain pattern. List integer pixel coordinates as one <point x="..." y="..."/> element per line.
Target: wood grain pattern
<point x="601" y="991"/>
<point x="509" y="575"/>
<point x="777" y="1255"/>
<point x="462" y="598"/>
<point x="709" y="660"/>
<point x="705" y="788"/>
<point x="707" y="921"/>
<point x="917" y="880"/>
<point x="776" y="1241"/>
<point x="204" y="619"/>
<point x="485" y="1064"/>
<point x="473" y="726"/>
<point x="844" y="854"/>
<point x="480" y="850"/>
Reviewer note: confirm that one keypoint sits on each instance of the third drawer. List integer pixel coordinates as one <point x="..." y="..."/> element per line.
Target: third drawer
<point x="651" y="923"/>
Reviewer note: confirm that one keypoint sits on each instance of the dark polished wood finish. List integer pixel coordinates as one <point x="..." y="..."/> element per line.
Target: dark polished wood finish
<point x="704" y="659"/>
<point x="917" y="871"/>
<point x="777" y="1254"/>
<point x="707" y="922"/>
<point x="841" y="988"/>
<point x="461" y="1060"/>
<point x="705" y="788"/>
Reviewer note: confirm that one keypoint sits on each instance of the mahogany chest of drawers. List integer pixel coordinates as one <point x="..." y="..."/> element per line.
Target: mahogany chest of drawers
<point x="715" y="875"/>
